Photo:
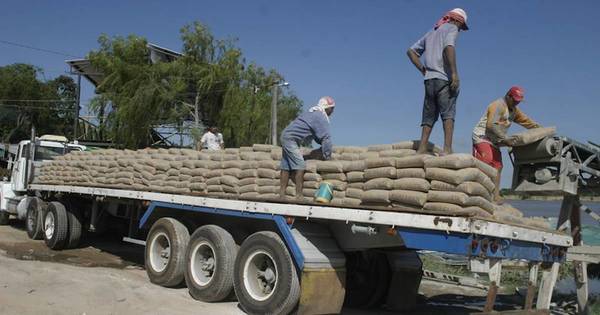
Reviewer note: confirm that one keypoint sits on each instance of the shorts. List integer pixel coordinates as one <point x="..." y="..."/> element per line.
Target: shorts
<point x="439" y="101"/>
<point x="487" y="153"/>
<point x="291" y="157"/>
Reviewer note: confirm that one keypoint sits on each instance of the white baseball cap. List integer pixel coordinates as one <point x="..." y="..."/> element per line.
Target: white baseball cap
<point x="460" y="12"/>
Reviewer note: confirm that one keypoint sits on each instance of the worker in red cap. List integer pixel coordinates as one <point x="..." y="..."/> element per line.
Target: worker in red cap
<point x="436" y="49"/>
<point x="490" y="133"/>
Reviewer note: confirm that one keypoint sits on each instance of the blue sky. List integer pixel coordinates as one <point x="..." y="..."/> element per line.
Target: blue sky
<point x="355" y="52"/>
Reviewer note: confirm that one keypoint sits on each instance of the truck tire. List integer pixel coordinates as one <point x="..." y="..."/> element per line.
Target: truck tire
<point x="75" y="227"/>
<point x="34" y="219"/>
<point x="210" y="258"/>
<point x="165" y="252"/>
<point x="56" y="226"/>
<point x="4" y="217"/>
<point x="265" y="277"/>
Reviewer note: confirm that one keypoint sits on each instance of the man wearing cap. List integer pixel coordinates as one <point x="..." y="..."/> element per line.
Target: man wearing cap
<point x="311" y="125"/>
<point x="490" y="133"/>
<point x="436" y="49"/>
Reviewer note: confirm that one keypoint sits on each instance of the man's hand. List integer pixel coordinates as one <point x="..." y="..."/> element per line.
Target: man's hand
<point x="454" y="83"/>
<point x="422" y="69"/>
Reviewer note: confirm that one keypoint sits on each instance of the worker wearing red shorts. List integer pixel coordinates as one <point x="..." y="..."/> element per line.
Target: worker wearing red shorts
<point x="490" y="133"/>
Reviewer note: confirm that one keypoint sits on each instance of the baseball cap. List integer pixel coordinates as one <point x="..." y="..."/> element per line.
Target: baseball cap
<point x="460" y="15"/>
<point x="517" y="93"/>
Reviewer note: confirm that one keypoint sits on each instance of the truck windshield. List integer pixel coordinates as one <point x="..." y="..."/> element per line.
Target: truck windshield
<point x="48" y="153"/>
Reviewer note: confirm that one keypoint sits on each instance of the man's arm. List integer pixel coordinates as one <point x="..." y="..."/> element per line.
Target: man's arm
<point x="524" y="120"/>
<point x="494" y="130"/>
<point x="450" y="57"/>
<point x="414" y="58"/>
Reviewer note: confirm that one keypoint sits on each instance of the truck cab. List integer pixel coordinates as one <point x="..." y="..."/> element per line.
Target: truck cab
<point x="23" y="166"/>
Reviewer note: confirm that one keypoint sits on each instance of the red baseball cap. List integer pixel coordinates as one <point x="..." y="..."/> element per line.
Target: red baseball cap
<point x="517" y="93"/>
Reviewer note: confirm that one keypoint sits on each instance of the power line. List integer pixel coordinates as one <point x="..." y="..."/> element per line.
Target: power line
<point x="38" y="49"/>
<point x="38" y="100"/>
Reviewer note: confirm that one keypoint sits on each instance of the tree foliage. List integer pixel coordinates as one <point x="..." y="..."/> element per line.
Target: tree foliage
<point x="27" y="101"/>
<point x="210" y="84"/>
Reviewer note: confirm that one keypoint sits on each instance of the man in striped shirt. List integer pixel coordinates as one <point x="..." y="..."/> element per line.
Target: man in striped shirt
<point x="490" y="133"/>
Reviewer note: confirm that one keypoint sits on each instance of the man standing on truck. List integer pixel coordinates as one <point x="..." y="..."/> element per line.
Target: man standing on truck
<point x="440" y="73"/>
<point x="311" y="125"/>
<point x="210" y="140"/>
<point x="490" y="132"/>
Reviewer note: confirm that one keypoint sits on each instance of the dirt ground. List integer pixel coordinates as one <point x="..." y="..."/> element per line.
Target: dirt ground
<point x="106" y="276"/>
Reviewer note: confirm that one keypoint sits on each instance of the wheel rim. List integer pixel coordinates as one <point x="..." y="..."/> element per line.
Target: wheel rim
<point x="49" y="225"/>
<point x="260" y="275"/>
<point x="203" y="263"/>
<point x="160" y="252"/>
<point x="31" y="219"/>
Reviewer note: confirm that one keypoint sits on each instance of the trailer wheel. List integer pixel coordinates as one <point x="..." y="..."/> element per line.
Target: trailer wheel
<point x="265" y="278"/>
<point x="75" y="226"/>
<point x="165" y="252"/>
<point x="210" y="258"/>
<point x="34" y="219"/>
<point x="56" y="226"/>
<point x="4" y="217"/>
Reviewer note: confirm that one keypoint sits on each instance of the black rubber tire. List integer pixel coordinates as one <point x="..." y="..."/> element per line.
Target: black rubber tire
<point x="178" y="238"/>
<point x="34" y="220"/>
<point x="4" y="217"/>
<point x="286" y="294"/>
<point x="58" y="239"/>
<point x="367" y="279"/>
<point x="75" y="227"/>
<point x="225" y="250"/>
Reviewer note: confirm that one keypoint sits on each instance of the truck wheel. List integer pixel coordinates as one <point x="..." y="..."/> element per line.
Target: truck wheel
<point x="4" y="217"/>
<point x="56" y="226"/>
<point x="34" y="220"/>
<point x="75" y="227"/>
<point x="209" y="264"/>
<point x="265" y="278"/>
<point x="165" y="252"/>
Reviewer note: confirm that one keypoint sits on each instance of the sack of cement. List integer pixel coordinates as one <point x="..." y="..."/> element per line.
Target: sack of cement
<point x="353" y="177"/>
<point x="413" y="161"/>
<point x="452" y="197"/>
<point x="415" y="184"/>
<point x="376" y="197"/>
<point x="380" y="172"/>
<point x="353" y="166"/>
<point x="460" y="161"/>
<point x="415" y="198"/>
<point x="469" y="188"/>
<point x="334" y="176"/>
<point x="460" y="176"/>
<point x="330" y="167"/>
<point x="380" y="162"/>
<point x="397" y="153"/>
<point x="379" y="183"/>
<point x="531" y="135"/>
<point x="410" y="173"/>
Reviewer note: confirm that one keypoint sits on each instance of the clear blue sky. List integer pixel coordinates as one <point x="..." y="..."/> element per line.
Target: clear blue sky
<point x="355" y="52"/>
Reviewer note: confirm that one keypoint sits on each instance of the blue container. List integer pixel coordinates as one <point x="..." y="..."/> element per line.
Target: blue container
<point x="324" y="194"/>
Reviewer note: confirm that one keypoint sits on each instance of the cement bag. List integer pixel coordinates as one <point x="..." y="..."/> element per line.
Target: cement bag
<point x="198" y="172"/>
<point x="263" y="147"/>
<point x="532" y="135"/>
<point x="267" y="182"/>
<point x="376" y="196"/>
<point x="160" y="165"/>
<point x="197" y="179"/>
<point x="184" y="178"/>
<point x="268" y="173"/>
<point x="214" y="188"/>
<point x="233" y="164"/>
<point x="231" y="189"/>
<point x="307" y="192"/>
<point x="403" y="145"/>
<point x="251" y="195"/>
<point x="247" y="181"/>
<point x="311" y="184"/>
<point x="255" y="156"/>
<point x="413" y="161"/>
<point x="353" y="177"/>
<point x="461" y="161"/>
<point x="415" y="198"/>
<point x="358" y="185"/>
<point x="380" y="162"/>
<point x="268" y="189"/>
<point x="353" y="166"/>
<point x="474" y="189"/>
<point x="185" y="171"/>
<point x="311" y="166"/>
<point x="214" y="173"/>
<point x="379" y="147"/>
<point x="338" y="185"/>
<point x="508" y="209"/>
<point x="410" y="173"/>
<point x="245" y="149"/>
<point x="229" y="180"/>
<point x="339" y="194"/>
<point x="459" y="176"/>
<point x="312" y="177"/>
<point x="350" y="156"/>
<point x="397" y="153"/>
<point x="351" y="202"/>
<point x="214" y="181"/>
<point x="455" y="209"/>
<point x="354" y="193"/>
<point x="368" y="155"/>
<point x="379" y="183"/>
<point x="248" y="173"/>
<point x="235" y="172"/>
<point x="415" y="184"/>
<point x="334" y="176"/>
<point x="348" y="149"/>
<point x="387" y="172"/>
<point x="269" y="164"/>
<point x="329" y="167"/>
<point x="482" y="203"/>
<point x="248" y="188"/>
<point x="452" y="197"/>
<point x="276" y="154"/>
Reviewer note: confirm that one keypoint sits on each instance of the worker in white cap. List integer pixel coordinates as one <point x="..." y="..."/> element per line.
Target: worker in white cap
<point x="439" y="70"/>
<point x="311" y="125"/>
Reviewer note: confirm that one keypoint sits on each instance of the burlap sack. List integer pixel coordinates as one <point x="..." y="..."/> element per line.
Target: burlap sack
<point x="214" y="188"/>
<point x="248" y="173"/>
<point x="387" y="172"/>
<point x="379" y="147"/>
<point x="197" y="179"/>
<point x="247" y="181"/>
<point x="308" y="192"/>
<point x="416" y="184"/>
<point x="413" y="161"/>
<point x="338" y="185"/>
<point x="312" y="177"/>
<point x="231" y="189"/>
<point x="346" y="156"/>
<point x="459" y="176"/>
<point x="349" y="149"/>
<point x="452" y="197"/>
<point x="269" y="164"/>
<point x="410" y="173"/>
<point x="262" y="147"/>
<point x="198" y="172"/>
<point x="481" y="202"/>
<point x="214" y="173"/>
<point x="403" y="145"/>
<point x="397" y="153"/>
<point x="380" y="162"/>
<point x="160" y="165"/>
<point x="248" y="188"/>
<point x="185" y="178"/>
<point x="234" y="164"/>
<point x="214" y="181"/>
<point x="311" y="184"/>
<point x="358" y="185"/>
<point x="229" y="180"/>
<point x="353" y="177"/>
<point x="268" y="189"/>
<point x="354" y="193"/>
<point x="329" y="167"/>
<point x="379" y="183"/>
<point x="461" y="161"/>
<point x="532" y="135"/>
<point x="410" y="197"/>
<point x="351" y="202"/>
<point x="469" y="188"/>
<point x="250" y="195"/>
<point x="245" y="149"/>
<point x="376" y="196"/>
<point x="335" y="176"/>
<point x="235" y="172"/>
<point x="267" y="182"/>
<point x="369" y="155"/>
<point x="267" y="173"/>
<point x="353" y="166"/>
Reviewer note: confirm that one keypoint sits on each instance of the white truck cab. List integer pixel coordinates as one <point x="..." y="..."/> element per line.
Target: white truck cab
<point x="23" y="166"/>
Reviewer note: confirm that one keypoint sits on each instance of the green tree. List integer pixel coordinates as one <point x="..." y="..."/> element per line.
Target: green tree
<point x="28" y="101"/>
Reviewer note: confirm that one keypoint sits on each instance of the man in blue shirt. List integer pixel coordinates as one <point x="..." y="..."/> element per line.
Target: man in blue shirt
<point x="311" y="125"/>
<point x="441" y="77"/>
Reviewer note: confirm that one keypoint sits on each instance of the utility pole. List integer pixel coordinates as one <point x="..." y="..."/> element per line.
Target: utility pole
<point x="275" y="90"/>
<point x="76" y="120"/>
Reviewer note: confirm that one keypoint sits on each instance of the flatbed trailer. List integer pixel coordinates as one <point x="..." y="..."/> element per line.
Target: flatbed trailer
<point x="280" y="256"/>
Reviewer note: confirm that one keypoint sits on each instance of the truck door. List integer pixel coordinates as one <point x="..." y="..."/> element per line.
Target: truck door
<point x="19" y="171"/>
